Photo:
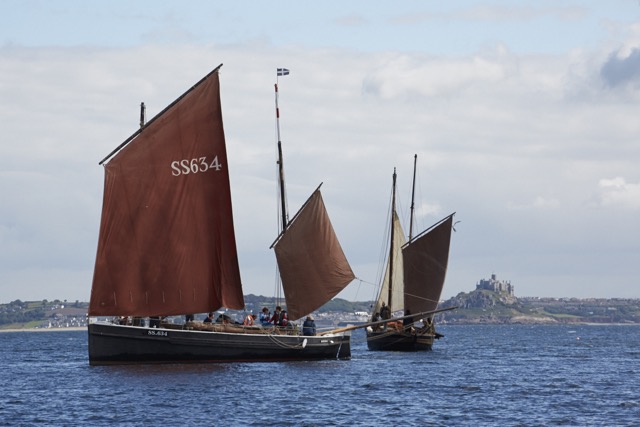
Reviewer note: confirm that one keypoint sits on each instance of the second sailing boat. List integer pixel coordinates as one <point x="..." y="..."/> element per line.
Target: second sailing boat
<point x="412" y="284"/>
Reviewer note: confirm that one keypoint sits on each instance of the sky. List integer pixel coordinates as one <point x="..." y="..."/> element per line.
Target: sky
<point x="523" y="115"/>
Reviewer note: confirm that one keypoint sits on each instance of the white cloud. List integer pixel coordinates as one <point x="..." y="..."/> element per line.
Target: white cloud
<point x="618" y="193"/>
<point x="511" y="141"/>
<point x="410" y="76"/>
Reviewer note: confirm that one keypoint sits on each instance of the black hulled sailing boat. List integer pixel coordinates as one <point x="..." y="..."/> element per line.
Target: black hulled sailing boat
<point x="167" y="247"/>
<point x="412" y="284"/>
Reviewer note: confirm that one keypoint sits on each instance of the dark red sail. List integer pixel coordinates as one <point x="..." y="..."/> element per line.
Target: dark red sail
<point x="167" y="243"/>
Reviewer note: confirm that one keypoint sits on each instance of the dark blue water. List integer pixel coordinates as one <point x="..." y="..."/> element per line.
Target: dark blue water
<point x="476" y="375"/>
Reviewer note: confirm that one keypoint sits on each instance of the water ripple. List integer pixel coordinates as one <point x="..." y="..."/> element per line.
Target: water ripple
<point x="478" y="375"/>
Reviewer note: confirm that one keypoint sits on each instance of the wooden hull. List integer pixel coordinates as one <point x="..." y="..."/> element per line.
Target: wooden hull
<point x="393" y="340"/>
<point x="118" y="344"/>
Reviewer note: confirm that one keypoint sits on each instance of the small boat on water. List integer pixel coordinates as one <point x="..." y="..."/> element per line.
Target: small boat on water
<point x="412" y="284"/>
<point x="167" y="247"/>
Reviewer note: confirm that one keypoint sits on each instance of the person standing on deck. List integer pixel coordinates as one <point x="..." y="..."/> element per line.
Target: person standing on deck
<point x="385" y="311"/>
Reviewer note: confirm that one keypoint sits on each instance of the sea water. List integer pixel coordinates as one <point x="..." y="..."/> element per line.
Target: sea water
<point x="498" y="375"/>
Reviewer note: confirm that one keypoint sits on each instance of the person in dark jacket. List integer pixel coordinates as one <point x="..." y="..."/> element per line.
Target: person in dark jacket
<point x="309" y="327"/>
<point x="275" y="319"/>
<point x="208" y="319"/>
<point x="385" y="311"/>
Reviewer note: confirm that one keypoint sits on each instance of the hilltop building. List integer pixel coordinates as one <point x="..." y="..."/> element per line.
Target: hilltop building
<point x="496" y="285"/>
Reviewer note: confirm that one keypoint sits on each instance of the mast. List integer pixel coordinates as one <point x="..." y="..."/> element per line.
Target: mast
<point x="413" y="193"/>
<point x="391" y="256"/>
<point x="143" y="115"/>
<point x="283" y="196"/>
<point x="283" y="199"/>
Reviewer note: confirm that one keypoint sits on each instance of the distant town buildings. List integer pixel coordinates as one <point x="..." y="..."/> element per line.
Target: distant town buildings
<point x="496" y="285"/>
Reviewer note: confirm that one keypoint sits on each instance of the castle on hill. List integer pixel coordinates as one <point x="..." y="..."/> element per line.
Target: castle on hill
<point x="495" y="285"/>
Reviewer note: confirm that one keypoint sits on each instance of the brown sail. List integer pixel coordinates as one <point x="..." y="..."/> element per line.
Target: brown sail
<point x="312" y="265"/>
<point x="425" y="267"/>
<point x="167" y="243"/>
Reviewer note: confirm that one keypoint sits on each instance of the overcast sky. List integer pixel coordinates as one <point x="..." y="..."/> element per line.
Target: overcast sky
<point x="525" y="117"/>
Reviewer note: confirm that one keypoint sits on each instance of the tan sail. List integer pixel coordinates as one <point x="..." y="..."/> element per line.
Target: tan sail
<point x="167" y="243"/>
<point x="425" y="266"/>
<point x="397" y="294"/>
<point x="312" y="265"/>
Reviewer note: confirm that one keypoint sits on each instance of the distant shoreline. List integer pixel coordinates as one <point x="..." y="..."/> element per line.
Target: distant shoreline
<point x="84" y="328"/>
<point x="75" y="328"/>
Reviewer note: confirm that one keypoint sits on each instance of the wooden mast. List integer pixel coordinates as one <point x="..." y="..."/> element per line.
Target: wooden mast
<point x="283" y="199"/>
<point x="391" y="248"/>
<point x="143" y="115"/>
<point x="413" y="193"/>
<point x="283" y="196"/>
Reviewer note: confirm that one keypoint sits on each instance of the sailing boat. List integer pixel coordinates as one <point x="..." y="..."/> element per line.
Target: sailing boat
<point x="167" y="247"/>
<point x="412" y="284"/>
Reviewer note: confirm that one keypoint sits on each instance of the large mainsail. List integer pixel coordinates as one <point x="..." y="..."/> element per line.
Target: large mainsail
<point x="167" y="243"/>
<point x="425" y="266"/>
<point x="312" y="265"/>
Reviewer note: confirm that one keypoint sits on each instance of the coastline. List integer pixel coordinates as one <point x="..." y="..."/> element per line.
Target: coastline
<point x="74" y="328"/>
<point x="84" y="328"/>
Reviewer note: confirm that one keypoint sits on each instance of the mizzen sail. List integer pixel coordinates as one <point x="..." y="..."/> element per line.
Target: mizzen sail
<point x="313" y="267"/>
<point x="425" y="266"/>
<point x="167" y="242"/>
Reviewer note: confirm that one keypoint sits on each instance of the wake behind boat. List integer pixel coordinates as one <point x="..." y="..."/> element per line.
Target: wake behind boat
<point x="167" y="247"/>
